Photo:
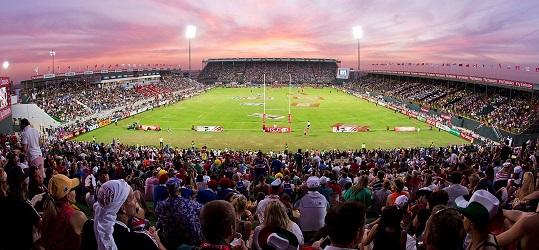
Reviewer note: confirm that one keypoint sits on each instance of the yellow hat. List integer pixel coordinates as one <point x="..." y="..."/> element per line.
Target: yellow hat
<point x="60" y="185"/>
<point x="162" y="172"/>
<point x="278" y="175"/>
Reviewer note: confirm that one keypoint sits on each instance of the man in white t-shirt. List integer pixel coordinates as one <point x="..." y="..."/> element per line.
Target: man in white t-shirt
<point x="30" y="145"/>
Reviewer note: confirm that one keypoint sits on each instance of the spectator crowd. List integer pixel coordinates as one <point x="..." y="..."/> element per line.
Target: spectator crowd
<point x="454" y="197"/>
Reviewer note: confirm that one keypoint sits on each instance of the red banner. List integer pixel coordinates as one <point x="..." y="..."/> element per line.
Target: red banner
<point x="413" y="115"/>
<point x="278" y="129"/>
<point x="431" y="122"/>
<point x="466" y="136"/>
<point x="447" y="117"/>
<point x="149" y="127"/>
<point x="426" y="110"/>
<point x="104" y="123"/>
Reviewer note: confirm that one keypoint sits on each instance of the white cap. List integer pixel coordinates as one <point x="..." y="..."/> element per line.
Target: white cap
<point x="313" y="182"/>
<point x="323" y="180"/>
<point x="276" y="182"/>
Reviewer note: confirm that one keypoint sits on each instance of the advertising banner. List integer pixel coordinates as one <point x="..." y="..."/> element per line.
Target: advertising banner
<point x="404" y="129"/>
<point x="209" y="128"/>
<point x="447" y="117"/>
<point x="431" y="122"/>
<point x="454" y="132"/>
<point x="149" y="127"/>
<point x="426" y="110"/>
<point x="466" y="136"/>
<point x="278" y="129"/>
<point x="5" y="98"/>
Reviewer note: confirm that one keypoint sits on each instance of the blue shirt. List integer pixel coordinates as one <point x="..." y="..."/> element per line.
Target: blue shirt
<point x="205" y="196"/>
<point x="179" y="218"/>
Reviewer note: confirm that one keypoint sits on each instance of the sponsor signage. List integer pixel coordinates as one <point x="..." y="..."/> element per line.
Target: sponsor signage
<point x="48" y="76"/>
<point x="447" y="117"/>
<point x="466" y="136"/>
<point x="431" y="122"/>
<point x="88" y="72"/>
<point x="104" y="71"/>
<point x="426" y="110"/>
<point x="69" y="73"/>
<point x="118" y="70"/>
<point x="454" y="132"/>
<point x="404" y="129"/>
<point x="209" y="128"/>
<point x="278" y="129"/>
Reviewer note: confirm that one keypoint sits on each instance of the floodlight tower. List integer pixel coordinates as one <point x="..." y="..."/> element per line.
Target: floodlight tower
<point x="52" y="53"/>
<point x="189" y="34"/>
<point x="358" y="34"/>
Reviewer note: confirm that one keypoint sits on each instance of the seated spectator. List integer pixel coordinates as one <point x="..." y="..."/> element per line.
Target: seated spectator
<point x="243" y="226"/>
<point x="218" y="224"/>
<point x="178" y="217"/>
<point x="160" y="192"/>
<point x="116" y="204"/>
<point x="478" y="211"/>
<point x="61" y="223"/>
<point x="275" y="216"/>
<point x="444" y="230"/>
<point x="209" y="194"/>
<point x="388" y="234"/>
<point x="345" y="224"/>
<point x="18" y="215"/>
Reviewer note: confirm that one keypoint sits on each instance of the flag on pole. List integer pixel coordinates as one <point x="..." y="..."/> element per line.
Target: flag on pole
<point x="460" y="64"/>
<point x="36" y="70"/>
<point x="500" y="65"/>
<point x="517" y="67"/>
<point x="536" y="69"/>
<point x="527" y="68"/>
<point x="467" y="65"/>
<point x="96" y="66"/>
<point x="508" y="66"/>
<point x="475" y="65"/>
<point x="69" y="67"/>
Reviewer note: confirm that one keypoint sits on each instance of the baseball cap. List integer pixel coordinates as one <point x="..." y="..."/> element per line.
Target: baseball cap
<point x="60" y="185"/>
<point x="323" y="180"/>
<point x="401" y="201"/>
<point x="313" y="182"/>
<point x="480" y="208"/>
<point x="212" y="184"/>
<point x="174" y="183"/>
<point x="276" y="182"/>
<point x="278" y="175"/>
<point x="273" y="237"/>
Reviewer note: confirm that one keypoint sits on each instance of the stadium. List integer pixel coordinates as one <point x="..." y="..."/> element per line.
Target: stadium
<point x="237" y="97"/>
<point x="263" y="130"/>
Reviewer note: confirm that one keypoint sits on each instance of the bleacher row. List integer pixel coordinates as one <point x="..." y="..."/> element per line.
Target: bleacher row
<point x="514" y="112"/>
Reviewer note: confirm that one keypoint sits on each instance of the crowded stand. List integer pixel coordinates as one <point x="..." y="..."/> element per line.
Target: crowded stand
<point x="420" y="196"/>
<point x="495" y="108"/>
<point x="253" y="72"/>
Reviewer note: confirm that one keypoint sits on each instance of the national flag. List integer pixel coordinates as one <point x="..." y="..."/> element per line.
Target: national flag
<point x="536" y="69"/>
<point x="467" y="65"/>
<point x="475" y="65"/>
<point x="123" y="65"/>
<point x="517" y="67"/>
<point x="454" y="64"/>
<point x="96" y="66"/>
<point x="69" y="67"/>
<point x="110" y="66"/>
<point x="483" y="65"/>
<point x="460" y="64"/>
<point x="49" y="69"/>
<point x="500" y="65"/>
<point x="116" y="65"/>
<point x="102" y="65"/>
<point x="87" y="67"/>
<point x="527" y="68"/>
<point x="508" y="66"/>
<point x="36" y="69"/>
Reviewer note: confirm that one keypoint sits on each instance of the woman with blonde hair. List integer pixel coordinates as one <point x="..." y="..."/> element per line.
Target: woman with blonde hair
<point x="526" y="189"/>
<point x="62" y="223"/>
<point x="244" y="227"/>
<point x="359" y="192"/>
<point x="275" y="216"/>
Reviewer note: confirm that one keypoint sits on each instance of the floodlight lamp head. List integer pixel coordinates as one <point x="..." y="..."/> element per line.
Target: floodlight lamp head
<point x="53" y="53"/>
<point x="190" y="32"/>
<point x="6" y="64"/>
<point x="358" y="32"/>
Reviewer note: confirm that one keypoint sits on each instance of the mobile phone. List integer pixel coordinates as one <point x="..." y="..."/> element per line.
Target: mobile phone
<point x="326" y="242"/>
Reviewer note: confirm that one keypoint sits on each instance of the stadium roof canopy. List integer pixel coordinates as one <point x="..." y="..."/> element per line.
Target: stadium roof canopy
<point x="271" y="59"/>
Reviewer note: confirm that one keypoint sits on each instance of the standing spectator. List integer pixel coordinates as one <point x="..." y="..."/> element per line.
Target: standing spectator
<point x="380" y="198"/>
<point x="179" y="217"/>
<point x="61" y="223"/>
<point x="30" y="146"/>
<point x="149" y="186"/>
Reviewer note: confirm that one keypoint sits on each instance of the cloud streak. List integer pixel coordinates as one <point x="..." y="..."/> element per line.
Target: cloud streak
<point x="152" y="31"/>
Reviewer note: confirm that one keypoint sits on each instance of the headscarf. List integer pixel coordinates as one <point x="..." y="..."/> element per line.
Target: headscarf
<point x="110" y="198"/>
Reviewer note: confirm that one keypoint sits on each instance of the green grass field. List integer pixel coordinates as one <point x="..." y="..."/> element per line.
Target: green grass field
<point x="225" y="107"/>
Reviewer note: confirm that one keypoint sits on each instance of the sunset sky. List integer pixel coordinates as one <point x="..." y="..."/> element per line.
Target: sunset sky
<point x="100" y="32"/>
